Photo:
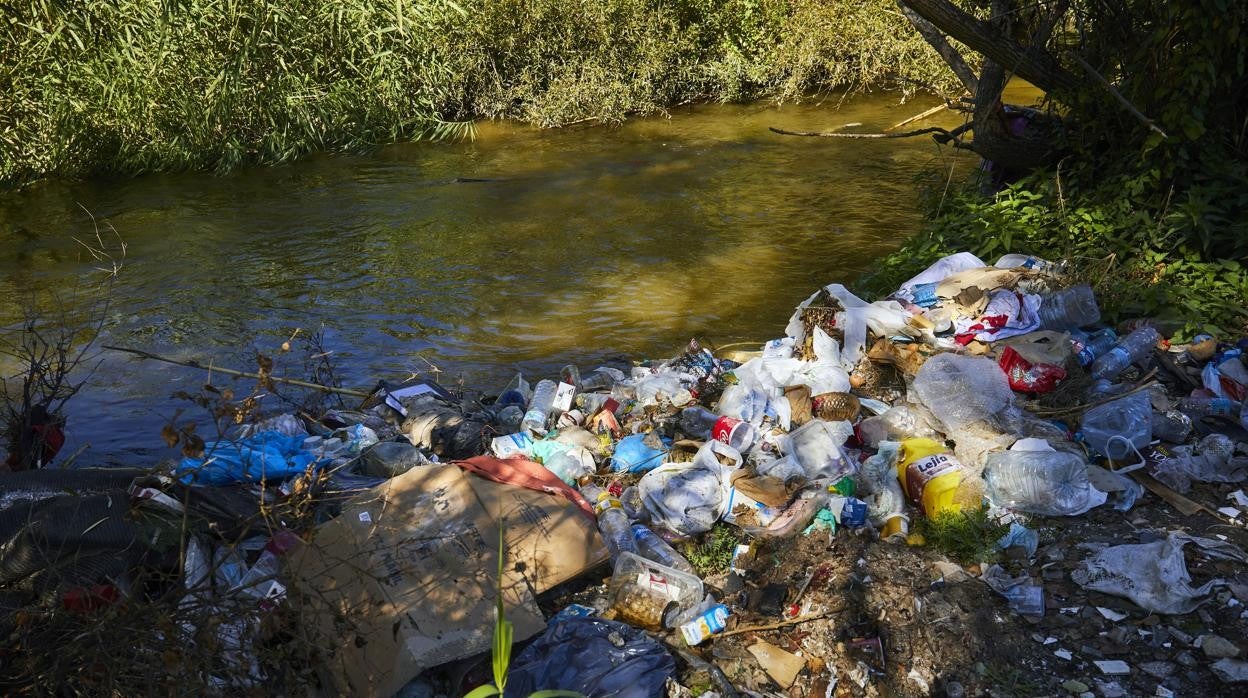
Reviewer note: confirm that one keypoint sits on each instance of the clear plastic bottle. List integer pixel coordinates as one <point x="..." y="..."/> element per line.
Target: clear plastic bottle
<point x="1090" y="347"/>
<point x="652" y="547"/>
<point x="1197" y="407"/>
<point x="1046" y="483"/>
<point x="1069" y="308"/>
<point x="1132" y="348"/>
<point x="540" y="407"/>
<point x="613" y="523"/>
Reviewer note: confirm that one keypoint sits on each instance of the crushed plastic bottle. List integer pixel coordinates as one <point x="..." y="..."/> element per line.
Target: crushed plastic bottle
<point x="652" y="547"/>
<point x="1069" y="308"/>
<point x="1129" y="350"/>
<point x="1041" y="482"/>
<point x="1172" y="426"/>
<point x="1198" y="407"/>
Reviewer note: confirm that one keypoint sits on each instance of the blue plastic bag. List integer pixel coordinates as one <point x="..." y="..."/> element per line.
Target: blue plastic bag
<point x="633" y="455"/>
<point x="267" y="455"/>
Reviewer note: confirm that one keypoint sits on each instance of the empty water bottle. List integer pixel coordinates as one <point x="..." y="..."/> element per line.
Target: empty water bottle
<point x="1090" y="347"/>
<point x="652" y="547"/>
<point x="540" y="407"/>
<point x="1046" y="483"/>
<point x="1131" y="349"/>
<point x="613" y="523"/>
<point x="1069" y="308"/>
<point x="698" y="422"/>
<point x="1197" y="407"/>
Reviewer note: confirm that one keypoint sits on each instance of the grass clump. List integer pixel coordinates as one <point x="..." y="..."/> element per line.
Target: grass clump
<point x="714" y="553"/>
<point x="144" y="85"/>
<point x="966" y="537"/>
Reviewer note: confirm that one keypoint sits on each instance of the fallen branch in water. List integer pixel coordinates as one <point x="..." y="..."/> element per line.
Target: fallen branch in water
<point x="243" y="374"/>
<point x="945" y="133"/>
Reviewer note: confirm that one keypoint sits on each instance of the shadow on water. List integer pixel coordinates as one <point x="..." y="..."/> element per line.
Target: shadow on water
<point x="522" y="249"/>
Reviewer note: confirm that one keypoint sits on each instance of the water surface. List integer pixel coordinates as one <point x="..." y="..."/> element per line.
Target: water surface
<point x="522" y="250"/>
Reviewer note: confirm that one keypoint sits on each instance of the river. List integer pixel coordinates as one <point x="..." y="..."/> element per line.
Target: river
<point x="520" y="250"/>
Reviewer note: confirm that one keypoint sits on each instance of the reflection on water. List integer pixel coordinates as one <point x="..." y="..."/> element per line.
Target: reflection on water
<point x="524" y="249"/>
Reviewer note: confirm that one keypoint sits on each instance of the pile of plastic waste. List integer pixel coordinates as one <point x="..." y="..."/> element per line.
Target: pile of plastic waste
<point x="970" y="387"/>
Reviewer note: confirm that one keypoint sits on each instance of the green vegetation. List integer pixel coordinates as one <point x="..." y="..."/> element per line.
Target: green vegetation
<point x="1157" y="223"/>
<point x="965" y="536"/>
<point x="142" y="85"/>
<point x="714" y="553"/>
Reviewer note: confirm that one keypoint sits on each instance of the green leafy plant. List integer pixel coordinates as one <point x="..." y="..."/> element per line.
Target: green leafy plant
<point x="714" y="553"/>
<point x="503" y="633"/>
<point x="965" y="536"/>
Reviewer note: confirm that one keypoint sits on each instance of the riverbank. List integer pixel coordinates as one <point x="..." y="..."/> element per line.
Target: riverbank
<point x="236" y="581"/>
<point x="143" y="86"/>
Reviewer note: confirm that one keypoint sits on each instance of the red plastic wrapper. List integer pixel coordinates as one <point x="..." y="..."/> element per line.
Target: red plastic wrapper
<point x="1026" y="377"/>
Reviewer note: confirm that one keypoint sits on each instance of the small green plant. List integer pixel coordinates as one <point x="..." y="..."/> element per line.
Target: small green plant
<point x="714" y="553"/>
<point x="964" y="536"/>
<point x="503" y="632"/>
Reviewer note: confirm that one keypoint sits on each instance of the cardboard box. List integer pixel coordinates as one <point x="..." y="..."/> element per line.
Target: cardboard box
<point x="406" y="577"/>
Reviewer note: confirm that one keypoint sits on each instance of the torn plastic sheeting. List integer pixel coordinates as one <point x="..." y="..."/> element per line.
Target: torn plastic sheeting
<point x="882" y="317"/>
<point x="964" y="390"/>
<point x="940" y="270"/>
<point x="1153" y="575"/>
<point x="594" y="657"/>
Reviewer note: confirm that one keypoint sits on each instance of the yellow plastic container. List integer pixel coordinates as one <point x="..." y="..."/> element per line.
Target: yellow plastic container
<point x="929" y="474"/>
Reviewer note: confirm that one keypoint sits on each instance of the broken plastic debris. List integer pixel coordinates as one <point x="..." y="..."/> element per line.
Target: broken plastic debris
<point x="1110" y="614"/>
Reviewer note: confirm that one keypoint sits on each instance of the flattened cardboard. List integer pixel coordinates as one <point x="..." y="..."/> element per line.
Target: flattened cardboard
<point x="405" y="578"/>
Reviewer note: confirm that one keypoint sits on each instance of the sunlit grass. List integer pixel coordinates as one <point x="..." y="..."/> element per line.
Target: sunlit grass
<point x="132" y="86"/>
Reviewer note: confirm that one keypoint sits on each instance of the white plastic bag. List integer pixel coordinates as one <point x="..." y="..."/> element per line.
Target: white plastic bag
<point x="1153" y="575"/>
<point x="689" y="498"/>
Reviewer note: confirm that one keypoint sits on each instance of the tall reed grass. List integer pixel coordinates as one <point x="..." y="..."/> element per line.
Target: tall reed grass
<point x="130" y="86"/>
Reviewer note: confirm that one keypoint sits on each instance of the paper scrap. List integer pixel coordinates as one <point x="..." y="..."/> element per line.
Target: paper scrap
<point x="1063" y="654"/>
<point x="1113" y="666"/>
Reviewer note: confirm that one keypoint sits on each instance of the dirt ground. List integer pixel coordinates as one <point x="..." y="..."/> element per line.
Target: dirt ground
<point x="892" y="625"/>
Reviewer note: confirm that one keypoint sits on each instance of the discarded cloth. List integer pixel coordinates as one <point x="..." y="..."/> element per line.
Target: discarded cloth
<point x="1153" y="575"/>
<point x="527" y="474"/>
<point x="1008" y="314"/>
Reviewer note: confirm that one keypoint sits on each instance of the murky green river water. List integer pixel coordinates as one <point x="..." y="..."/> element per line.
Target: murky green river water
<point x="580" y="245"/>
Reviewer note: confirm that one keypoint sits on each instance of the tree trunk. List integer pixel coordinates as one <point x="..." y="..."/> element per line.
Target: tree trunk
<point x="1033" y="64"/>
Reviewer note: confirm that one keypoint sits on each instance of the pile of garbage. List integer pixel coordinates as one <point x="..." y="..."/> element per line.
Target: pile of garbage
<point x="400" y="525"/>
